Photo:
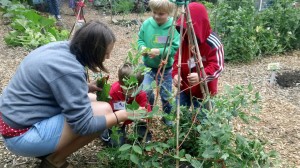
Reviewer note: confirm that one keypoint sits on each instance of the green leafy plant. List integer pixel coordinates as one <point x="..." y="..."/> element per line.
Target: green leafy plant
<point x="249" y="34"/>
<point x="99" y="3"/>
<point x="217" y="142"/>
<point x="108" y="157"/>
<point x="235" y="27"/>
<point x="29" y="28"/>
<point x="103" y="95"/>
<point x="123" y="6"/>
<point x="210" y="140"/>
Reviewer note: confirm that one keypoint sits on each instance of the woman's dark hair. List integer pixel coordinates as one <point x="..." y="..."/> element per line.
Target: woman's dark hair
<point x="127" y="70"/>
<point x="89" y="44"/>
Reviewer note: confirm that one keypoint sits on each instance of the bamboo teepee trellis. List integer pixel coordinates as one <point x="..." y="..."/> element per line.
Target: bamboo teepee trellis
<point x="193" y="44"/>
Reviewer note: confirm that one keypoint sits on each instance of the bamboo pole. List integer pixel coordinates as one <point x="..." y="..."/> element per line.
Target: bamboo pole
<point x="168" y="54"/>
<point x="199" y="60"/>
<point x="164" y="67"/>
<point x="190" y="88"/>
<point x="178" y="85"/>
<point x="192" y="43"/>
<point x="260" y="5"/>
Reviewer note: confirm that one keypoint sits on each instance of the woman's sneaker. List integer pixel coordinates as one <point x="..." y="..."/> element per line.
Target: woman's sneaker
<point x="110" y="141"/>
<point x="105" y="136"/>
<point x="59" y="21"/>
<point x="168" y="123"/>
<point x="58" y="17"/>
<point x="141" y="130"/>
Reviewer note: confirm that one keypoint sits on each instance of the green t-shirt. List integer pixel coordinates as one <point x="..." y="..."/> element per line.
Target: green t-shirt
<point x="152" y="35"/>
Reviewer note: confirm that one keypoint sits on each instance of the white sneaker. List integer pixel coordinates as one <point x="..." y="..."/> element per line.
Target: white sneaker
<point x="58" y="17"/>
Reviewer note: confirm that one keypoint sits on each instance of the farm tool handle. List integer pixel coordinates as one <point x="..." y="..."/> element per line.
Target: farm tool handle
<point x="79" y="15"/>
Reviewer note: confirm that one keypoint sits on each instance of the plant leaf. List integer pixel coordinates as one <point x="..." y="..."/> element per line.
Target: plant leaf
<point x="137" y="149"/>
<point x="159" y="150"/>
<point x="196" y="163"/>
<point x="134" y="159"/>
<point x="125" y="147"/>
<point x="133" y="106"/>
<point x="210" y="153"/>
<point x="225" y="156"/>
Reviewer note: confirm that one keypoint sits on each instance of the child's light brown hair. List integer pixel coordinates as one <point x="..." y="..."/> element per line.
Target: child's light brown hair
<point x="126" y="71"/>
<point x="162" y="6"/>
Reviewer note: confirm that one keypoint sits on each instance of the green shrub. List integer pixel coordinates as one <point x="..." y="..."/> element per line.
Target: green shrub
<point x="108" y="158"/>
<point x="248" y="34"/>
<point x="213" y="143"/>
<point x="29" y="28"/>
<point x="235" y="26"/>
<point x="124" y="6"/>
<point x="216" y="141"/>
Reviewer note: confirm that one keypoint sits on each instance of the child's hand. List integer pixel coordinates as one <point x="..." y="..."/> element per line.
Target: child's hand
<point x="154" y="52"/>
<point x="93" y="87"/>
<point x="175" y="80"/>
<point x="193" y="78"/>
<point x="144" y="51"/>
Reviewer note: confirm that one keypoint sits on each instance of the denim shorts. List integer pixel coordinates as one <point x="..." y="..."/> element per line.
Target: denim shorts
<point x="41" y="139"/>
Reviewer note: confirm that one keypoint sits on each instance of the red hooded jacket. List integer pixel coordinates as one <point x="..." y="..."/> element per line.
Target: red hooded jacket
<point x="211" y="50"/>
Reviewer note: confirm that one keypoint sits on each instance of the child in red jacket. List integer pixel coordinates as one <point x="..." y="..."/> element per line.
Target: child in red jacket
<point x="212" y="53"/>
<point x="120" y="97"/>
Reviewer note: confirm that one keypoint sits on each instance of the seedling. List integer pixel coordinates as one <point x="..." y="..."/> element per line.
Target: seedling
<point x="273" y="67"/>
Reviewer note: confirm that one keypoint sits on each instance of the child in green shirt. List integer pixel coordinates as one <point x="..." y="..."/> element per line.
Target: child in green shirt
<point x="154" y="34"/>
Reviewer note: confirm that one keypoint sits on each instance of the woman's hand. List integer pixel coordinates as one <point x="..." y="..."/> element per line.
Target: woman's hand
<point x="143" y="109"/>
<point x="93" y="87"/>
<point x="124" y="115"/>
<point x="193" y="78"/>
<point x="175" y="80"/>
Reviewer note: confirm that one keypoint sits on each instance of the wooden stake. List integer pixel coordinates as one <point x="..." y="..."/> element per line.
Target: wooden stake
<point x="178" y="85"/>
<point x="199" y="59"/>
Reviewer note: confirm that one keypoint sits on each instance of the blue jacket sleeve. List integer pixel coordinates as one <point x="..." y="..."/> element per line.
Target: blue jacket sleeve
<point x="70" y="92"/>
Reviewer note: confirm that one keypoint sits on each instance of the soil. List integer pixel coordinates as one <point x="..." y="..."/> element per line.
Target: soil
<point x="288" y="79"/>
<point x="280" y="114"/>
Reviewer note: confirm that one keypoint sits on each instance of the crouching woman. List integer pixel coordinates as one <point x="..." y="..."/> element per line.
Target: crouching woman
<point x="45" y="109"/>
